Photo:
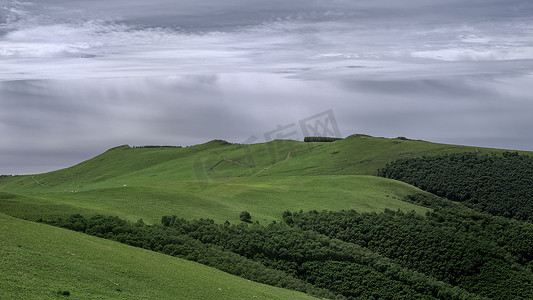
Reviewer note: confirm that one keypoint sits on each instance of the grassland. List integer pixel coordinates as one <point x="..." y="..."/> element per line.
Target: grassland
<point x="217" y="180"/>
<point x="213" y="180"/>
<point x="37" y="261"/>
<point x="222" y="199"/>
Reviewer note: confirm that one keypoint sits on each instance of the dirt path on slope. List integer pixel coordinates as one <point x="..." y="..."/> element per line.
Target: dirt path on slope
<point x="247" y="166"/>
<point x="230" y="161"/>
<point x="37" y="181"/>
<point x="235" y="162"/>
<point x="279" y="162"/>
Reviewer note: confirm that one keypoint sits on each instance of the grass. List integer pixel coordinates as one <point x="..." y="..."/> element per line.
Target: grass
<point x="219" y="181"/>
<point x="38" y="261"/>
<point x="212" y="180"/>
<point x="355" y="155"/>
<point x="221" y="200"/>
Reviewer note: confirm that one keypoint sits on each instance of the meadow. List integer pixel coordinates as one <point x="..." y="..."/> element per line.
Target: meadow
<point x="216" y="180"/>
<point x="39" y="261"/>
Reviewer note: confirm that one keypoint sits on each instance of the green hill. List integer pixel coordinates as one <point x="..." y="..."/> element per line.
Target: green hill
<point x="355" y="155"/>
<point x="215" y="180"/>
<point x="221" y="200"/>
<point x="39" y="261"/>
<point x="218" y="180"/>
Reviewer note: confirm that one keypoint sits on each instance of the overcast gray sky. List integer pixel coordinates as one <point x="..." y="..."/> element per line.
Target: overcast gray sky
<point x="79" y="77"/>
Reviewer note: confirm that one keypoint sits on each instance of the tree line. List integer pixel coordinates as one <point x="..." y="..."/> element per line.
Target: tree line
<point x="320" y="139"/>
<point x="449" y="253"/>
<point x="155" y="146"/>
<point x="501" y="185"/>
<point x="173" y="241"/>
<point x="483" y="254"/>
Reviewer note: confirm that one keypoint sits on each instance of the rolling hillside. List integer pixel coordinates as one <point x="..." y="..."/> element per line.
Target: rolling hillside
<point x="39" y="261"/>
<point x="215" y="180"/>
<point x="218" y="180"/>
<point x="355" y="155"/>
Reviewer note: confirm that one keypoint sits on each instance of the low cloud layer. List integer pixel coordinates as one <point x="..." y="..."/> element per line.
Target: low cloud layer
<point x="78" y="77"/>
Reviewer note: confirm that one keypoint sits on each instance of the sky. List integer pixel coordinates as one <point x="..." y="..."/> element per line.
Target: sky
<point x="79" y="77"/>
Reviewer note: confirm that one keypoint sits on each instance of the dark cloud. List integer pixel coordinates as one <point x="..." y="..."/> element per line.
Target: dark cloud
<point x="225" y="15"/>
<point x="79" y="77"/>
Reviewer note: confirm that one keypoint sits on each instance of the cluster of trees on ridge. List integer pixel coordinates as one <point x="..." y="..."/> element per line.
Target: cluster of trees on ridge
<point x="155" y="146"/>
<point x="501" y="185"/>
<point x="447" y="254"/>
<point x="320" y="139"/>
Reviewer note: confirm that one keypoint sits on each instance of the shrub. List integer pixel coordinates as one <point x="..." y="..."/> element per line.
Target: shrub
<point x="245" y="217"/>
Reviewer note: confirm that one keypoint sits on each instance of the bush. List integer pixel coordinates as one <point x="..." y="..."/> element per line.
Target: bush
<point x="245" y="217"/>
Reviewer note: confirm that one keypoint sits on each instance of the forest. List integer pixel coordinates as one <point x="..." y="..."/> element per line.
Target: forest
<point x="487" y="255"/>
<point x="501" y="185"/>
<point x="448" y="253"/>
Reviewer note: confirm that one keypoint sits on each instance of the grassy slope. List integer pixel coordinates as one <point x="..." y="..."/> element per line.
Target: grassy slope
<point x="196" y="182"/>
<point x="222" y="200"/>
<point x="37" y="260"/>
<point x="356" y="155"/>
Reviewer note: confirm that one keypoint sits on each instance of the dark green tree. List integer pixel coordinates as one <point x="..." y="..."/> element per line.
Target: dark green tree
<point x="245" y="217"/>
